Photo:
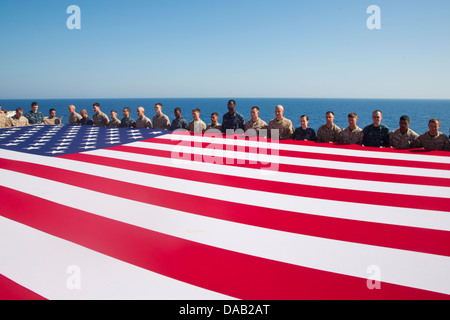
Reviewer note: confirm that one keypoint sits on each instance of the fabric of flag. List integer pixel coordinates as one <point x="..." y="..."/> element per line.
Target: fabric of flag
<point x="98" y="213"/>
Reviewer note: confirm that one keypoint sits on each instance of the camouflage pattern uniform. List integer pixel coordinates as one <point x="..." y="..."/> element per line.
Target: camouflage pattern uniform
<point x="113" y="123"/>
<point x="100" y="119"/>
<point x="21" y="122"/>
<point x="4" y="121"/>
<point x="143" y="122"/>
<point x="232" y="121"/>
<point x="35" y="118"/>
<point x="350" y="136"/>
<point x="376" y="136"/>
<point x="437" y="142"/>
<point x="161" y="122"/>
<point x="285" y="127"/>
<point x="403" y="141"/>
<point x="52" y="122"/>
<point x="75" y="119"/>
<point x="179" y="123"/>
<point x="197" y="126"/>
<point x="256" y="125"/>
<point x="325" y="134"/>
<point x="217" y="127"/>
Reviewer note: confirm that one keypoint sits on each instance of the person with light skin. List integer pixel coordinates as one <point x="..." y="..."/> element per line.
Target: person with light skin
<point x="304" y="132"/>
<point x="352" y="134"/>
<point x="329" y="132"/>
<point x="52" y="119"/>
<point x="100" y="119"/>
<point x="34" y="116"/>
<point x="160" y="120"/>
<point x="74" y="118"/>
<point x="255" y="123"/>
<point x="433" y="139"/>
<point x="142" y="121"/>
<point x="196" y="125"/>
<point x="403" y="137"/>
<point x="85" y="118"/>
<point x="114" y="122"/>
<point x="214" y="122"/>
<point x="4" y="120"/>
<point x="282" y="124"/>
<point x="127" y="121"/>
<point x="18" y="120"/>
<point x="376" y="134"/>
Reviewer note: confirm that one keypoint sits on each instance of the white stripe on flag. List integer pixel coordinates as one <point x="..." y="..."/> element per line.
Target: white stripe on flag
<point x="398" y="266"/>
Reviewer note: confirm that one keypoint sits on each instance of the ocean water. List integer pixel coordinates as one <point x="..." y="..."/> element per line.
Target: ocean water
<point x="419" y="111"/>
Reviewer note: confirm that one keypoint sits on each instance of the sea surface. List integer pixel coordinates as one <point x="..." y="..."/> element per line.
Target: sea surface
<point x="419" y="111"/>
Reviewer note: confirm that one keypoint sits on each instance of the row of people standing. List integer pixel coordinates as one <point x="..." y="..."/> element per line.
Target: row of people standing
<point x="32" y="117"/>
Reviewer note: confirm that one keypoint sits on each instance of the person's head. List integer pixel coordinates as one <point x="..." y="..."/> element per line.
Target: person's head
<point x="19" y="112"/>
<point x="52" y="113"/>
<point x="433" y="126"/>
<point x="254" y="112"/>
<point x="158" y="108"/>
<point x="352" y="119"/>
<point x="177" y="113"/>
<point x="279" y="111"/>
<point x="231" y="106"/>
<point x="304" y="120"/>
<point x="329" y="117"/>
<point x="72" y="109"/>
<point x="214" y="118"/>
<point x="196" y="114"/>
<point x="376" y="118"/>
<point x="404" y="124"/>
<point x="113" y="114"/>
<point x="96" y="107"/>
<point x="84" y="113"/>
<point x="34" y="107"/>
<point x="140" y="112"/>
<point x="126" y="112"/>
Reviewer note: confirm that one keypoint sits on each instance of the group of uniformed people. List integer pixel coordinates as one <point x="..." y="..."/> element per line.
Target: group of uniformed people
<point x="373" y="135"/>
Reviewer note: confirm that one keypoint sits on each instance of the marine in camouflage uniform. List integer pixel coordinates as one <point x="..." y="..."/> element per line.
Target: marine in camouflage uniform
<point x="329" y="132"/>
<point x="433" y="139"/>
<point x="403" y="137"/>
<point x="282" y="124"/>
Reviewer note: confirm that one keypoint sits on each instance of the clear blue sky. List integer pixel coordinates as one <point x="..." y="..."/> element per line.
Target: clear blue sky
<point x="215" y="48"/>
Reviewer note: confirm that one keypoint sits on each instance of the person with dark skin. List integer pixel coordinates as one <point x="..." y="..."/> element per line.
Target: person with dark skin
<point x="232" y="120"/>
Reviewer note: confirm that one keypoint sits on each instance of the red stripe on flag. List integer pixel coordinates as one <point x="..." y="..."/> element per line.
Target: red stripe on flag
<point x="392" y="236"/>
<point x="10" y="290"/>
<point x="334" y="173"/>
<point x="234" y="274"/>
<point x="306" y="155"/>
<point x="355" y="196"/>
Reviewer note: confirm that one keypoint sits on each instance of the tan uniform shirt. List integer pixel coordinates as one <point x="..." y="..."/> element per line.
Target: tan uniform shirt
<point x="256" y="125"/>
<point x="4" y="121"/>
<point x="197" y="126"/>
<point x="113" y="123"/>
<point x="100" y="119"/>
<point x="217" y="127"/>
<point x="285" y="127"/>
<point x="403" y="141"/>
<point x="161" y="122"/>
<point x="52" y="122"/>
<point x="21" y="122"/>
<point x="354" y="136"/>
<point x="143" y="122"/>
<point x="75" y="119"/>
<point x="325" y="134"/>
<point x="438" y="142"/>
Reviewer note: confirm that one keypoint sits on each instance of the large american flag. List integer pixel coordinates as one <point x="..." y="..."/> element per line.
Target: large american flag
<point x="98" y="213"/>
